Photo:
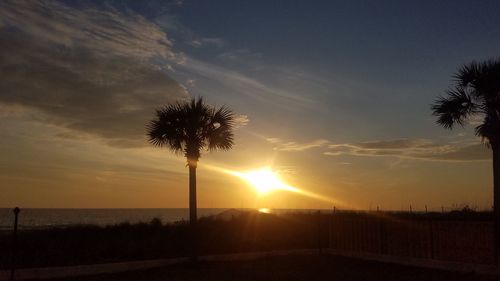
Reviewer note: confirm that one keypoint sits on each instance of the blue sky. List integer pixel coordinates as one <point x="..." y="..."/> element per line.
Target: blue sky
<point x="335" y="95"/>
<point x="375" y="60"/>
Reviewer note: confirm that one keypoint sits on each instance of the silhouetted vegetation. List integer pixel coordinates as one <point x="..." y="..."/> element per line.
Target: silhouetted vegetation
<point x="239" y="232"/>
<point x="87" y="244"/>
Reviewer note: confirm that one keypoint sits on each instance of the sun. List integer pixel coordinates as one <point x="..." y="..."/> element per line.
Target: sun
<point x="264" y="210"/>
<point x="263" y="180"/>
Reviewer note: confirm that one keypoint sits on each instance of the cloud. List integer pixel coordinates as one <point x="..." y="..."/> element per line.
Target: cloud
<point x="183" y="34"/>
<point x="292" y="146"/>
<point x="237" y="82"/>
<point x="202" y="42"/>
<point x="241" y="120"/>
<point x="244" y="56"/>
<point x="90" y="70"/>
<point x="106" y="32"/>
<point x="421" y="149"/>
<point x="476" y="119"/>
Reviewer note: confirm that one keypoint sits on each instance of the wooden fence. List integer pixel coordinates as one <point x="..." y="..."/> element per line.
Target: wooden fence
<point x="457" y="241"/>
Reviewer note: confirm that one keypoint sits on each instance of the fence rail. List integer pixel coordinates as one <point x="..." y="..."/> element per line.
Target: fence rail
<point x="458" y="241"/>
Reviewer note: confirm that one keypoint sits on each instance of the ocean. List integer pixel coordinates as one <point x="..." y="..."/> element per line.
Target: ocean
<point x="42" y="218"/>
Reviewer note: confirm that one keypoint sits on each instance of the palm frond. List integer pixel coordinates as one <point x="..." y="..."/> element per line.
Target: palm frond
<point x="480" y="131"/>
<point x="453" y="109"/>
<point x="467" y="74"/>
<point x="191" y="126"/>
<point x="220" y="133"/>
<point x="487" y="130"/>
<point x="476" y="91"/>
<point x="482" y="79"/>
<point x="168" y="128"/>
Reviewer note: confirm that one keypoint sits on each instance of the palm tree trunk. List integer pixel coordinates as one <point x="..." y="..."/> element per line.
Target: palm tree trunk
<point x="192" y="212"/>
<point x="192" y="195"/>
<point x="496" y="200"/>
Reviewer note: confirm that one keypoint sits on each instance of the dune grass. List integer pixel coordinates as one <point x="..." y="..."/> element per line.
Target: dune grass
<point x="248" y="232"/>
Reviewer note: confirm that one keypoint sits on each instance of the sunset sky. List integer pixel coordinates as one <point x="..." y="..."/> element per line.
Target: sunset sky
<point x="333" y="96"/>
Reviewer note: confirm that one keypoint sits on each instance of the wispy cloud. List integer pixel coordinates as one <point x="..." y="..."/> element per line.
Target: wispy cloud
<point x="106" y="32"/>
<point x="90" y="70"/>
<point x="422" y="149"/>
<point x="237" y="82"/>
<point x="241" y="120"/>
<point x="185" y="35"/>
<point x="292" y="146"/>
<point x="205" y="41"/>
<point x="476" y="119"/>
<point x="418" y="149"/>
<point x="244" y="56"/>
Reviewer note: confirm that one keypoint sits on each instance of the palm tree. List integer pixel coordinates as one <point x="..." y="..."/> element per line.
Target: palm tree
<point x="476" y="93"/>
<point x="189" y="128"/>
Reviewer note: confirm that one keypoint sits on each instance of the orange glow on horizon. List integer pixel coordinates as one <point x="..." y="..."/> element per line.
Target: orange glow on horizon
<point x="264" y="210"/>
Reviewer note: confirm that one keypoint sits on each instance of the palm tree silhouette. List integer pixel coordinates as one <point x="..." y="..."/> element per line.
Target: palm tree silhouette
<point x="189" y="128"/>
<point x="476" y="93"/>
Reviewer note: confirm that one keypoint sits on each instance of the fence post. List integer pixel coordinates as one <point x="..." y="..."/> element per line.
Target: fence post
<point x="16" y="211"/>
<point x="330" y="232"/>
<point x="318" y="230"/>
<point x="431" y="238"/>
<point x="382" y="233"/>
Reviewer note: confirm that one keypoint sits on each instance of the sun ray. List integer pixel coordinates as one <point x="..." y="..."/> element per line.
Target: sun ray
<point x="265" y="180"/>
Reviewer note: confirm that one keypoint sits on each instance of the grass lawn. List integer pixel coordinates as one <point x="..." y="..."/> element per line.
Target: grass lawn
<point x="305" y="267"/>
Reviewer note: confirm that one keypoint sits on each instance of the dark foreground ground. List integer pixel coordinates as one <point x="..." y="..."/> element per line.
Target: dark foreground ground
<point x="294" y="268"/>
